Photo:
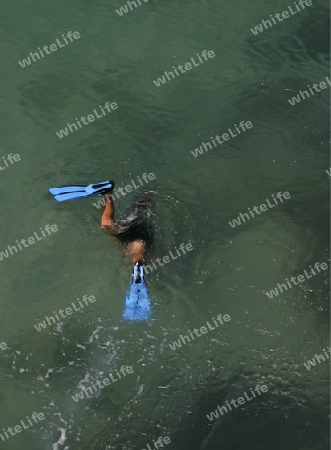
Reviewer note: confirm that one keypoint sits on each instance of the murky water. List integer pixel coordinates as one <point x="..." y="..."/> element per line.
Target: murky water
<point x="267" y="341"/>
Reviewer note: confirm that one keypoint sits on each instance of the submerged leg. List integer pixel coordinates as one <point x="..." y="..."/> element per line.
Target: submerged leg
<point x="137" y="251"/>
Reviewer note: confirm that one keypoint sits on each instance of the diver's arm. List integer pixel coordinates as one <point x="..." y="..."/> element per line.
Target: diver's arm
<point x="107" y="218"/>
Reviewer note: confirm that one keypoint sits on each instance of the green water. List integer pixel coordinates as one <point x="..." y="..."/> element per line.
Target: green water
<point x="154" y="130"/>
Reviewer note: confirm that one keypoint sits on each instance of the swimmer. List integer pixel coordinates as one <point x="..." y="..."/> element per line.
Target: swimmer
<point x="138" y="236"/>
<point x="135" y="232"/>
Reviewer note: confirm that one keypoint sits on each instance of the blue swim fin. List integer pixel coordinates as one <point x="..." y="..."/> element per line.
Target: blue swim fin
<point x="137" y="299"/>
<point x="64" y="193"/>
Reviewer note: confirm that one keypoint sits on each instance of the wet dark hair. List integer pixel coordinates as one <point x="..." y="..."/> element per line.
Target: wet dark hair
<point x="137" y="230"/>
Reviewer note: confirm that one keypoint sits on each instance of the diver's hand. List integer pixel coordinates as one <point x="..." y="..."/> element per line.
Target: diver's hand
<point x="108" y="195"/>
